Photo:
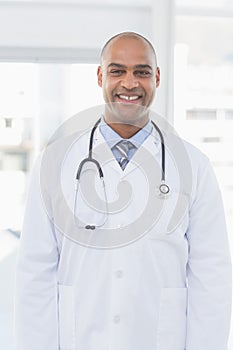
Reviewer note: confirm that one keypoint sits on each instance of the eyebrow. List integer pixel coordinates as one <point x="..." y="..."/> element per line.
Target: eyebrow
<point x="137" y="66"/>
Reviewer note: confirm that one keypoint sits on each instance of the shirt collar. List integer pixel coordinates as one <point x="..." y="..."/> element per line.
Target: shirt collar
<point x="112" y="138"/>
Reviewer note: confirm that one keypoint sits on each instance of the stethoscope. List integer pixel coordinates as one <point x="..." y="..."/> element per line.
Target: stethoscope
<point x="163" y="187"/>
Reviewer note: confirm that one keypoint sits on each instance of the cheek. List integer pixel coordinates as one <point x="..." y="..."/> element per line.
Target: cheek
<point x="109" y="86"/>
<point x="150" y="88"/>
<point x="153" y="87"/>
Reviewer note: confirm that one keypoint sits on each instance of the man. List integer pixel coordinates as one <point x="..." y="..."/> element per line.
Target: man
<point x="111" y="284"/>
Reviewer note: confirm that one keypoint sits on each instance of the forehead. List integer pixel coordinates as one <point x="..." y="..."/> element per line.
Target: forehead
<point x="129" y="51"/>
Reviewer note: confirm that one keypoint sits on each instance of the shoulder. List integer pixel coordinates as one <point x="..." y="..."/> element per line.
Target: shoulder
<point x="200" y="163"/>
<point x="193" y="166"/>
<point x="188" y="153"/>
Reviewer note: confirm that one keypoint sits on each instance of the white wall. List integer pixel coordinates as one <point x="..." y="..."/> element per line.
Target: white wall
<point x="67" y="25"/>
<point x="74" y="31"/>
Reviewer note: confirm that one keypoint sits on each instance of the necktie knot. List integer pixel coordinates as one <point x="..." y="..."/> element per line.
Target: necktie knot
<point x="123" y="147"/>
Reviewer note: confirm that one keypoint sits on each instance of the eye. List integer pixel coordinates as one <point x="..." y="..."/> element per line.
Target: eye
<point x="143" y="73"/>
<point x="116" y="72"/>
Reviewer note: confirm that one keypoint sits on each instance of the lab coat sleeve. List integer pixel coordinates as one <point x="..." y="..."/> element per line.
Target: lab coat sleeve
<point x="208" y="269"/>
<point x="36" y="285"/>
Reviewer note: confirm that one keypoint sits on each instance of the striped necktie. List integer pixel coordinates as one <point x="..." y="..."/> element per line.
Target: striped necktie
<point x="123" y="147"/>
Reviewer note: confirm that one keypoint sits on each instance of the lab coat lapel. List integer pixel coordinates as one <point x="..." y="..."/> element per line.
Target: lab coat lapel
<point x="103" y="153"/>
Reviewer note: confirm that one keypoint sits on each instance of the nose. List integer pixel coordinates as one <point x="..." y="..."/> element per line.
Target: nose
<point x="129" y="81"/>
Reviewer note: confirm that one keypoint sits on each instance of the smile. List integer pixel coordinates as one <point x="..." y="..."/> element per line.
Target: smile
<point x="129" y="99"/>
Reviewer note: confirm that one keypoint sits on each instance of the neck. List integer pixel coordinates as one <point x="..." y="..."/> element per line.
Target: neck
<point x="126" y="130"/>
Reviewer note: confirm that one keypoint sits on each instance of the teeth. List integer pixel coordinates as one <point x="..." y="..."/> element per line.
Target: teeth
<point x="128" y="98"/>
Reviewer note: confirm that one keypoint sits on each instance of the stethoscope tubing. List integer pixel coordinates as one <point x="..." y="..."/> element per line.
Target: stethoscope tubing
<point x="90" y="158"/>
<point x="163" y="188"/>
<point x="162" y="150"/>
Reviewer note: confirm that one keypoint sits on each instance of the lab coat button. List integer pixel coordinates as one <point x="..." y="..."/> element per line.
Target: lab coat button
<point x="116" y="319"/>
<point x="119" y="274"/>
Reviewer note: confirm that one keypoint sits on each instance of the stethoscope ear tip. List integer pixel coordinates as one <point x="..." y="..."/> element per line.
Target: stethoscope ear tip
<point x="90" y="227"/>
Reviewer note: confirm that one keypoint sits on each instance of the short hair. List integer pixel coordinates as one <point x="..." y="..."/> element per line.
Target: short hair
<point x="129" y="35"/>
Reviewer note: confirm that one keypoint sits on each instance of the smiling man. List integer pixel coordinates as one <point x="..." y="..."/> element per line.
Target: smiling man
<point x="129" y="77"/>
<point x="135" y="280"/>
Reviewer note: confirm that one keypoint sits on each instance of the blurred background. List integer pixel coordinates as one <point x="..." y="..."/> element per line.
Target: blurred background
<point x="49" y="53"/>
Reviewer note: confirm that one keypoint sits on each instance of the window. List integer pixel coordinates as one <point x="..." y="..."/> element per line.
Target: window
<point x="203" y="86"/>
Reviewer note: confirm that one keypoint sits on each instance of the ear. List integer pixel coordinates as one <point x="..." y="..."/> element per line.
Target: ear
<point x="157" y="76"/>
<point x="99" y="75"/>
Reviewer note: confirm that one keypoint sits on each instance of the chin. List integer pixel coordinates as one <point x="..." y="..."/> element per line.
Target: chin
<point x="123" y="113"/>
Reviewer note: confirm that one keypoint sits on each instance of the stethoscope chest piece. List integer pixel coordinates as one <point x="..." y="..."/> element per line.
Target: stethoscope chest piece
<point x="164" y="189"/>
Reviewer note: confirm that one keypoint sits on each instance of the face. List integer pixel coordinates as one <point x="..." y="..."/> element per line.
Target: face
<point x="129" y="77"/>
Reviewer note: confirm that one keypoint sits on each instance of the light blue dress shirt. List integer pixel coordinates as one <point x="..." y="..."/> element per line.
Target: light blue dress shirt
<point x="112" y="138"/>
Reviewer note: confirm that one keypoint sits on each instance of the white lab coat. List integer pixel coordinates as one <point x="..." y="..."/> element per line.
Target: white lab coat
<point x="163" y="291"/>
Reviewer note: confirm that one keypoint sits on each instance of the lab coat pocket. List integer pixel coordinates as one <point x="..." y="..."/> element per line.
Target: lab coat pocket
<point x="66" y="314"/>
<point x="171" y="334"/>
